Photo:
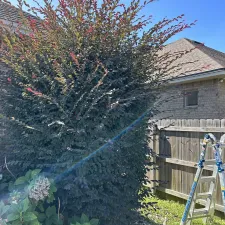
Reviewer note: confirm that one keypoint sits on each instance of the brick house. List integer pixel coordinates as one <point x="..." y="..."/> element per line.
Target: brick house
<point x="196" y="86"/>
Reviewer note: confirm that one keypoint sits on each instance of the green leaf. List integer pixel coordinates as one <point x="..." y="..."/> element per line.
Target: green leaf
<point x="21" y="180"/>
<point x="4" y="210"/>
<point x="28" y="174"/>
<point x="3" y="223"/>
<point x="84" y="218"/>
<point x="34" y="173"/>
<point x="17" y="222"/>
<point x="56" y="220"/>
<point x="25" y="203"/>
<point x="41" y="217"/>
<point x="48" y="222"/>
<point x="29" y="216"/>
<point x="15" y="208"/>
<point x="40" y="206"/>
<point x="75" y="219"/>
<point x="78" y="223"/>
<point x="12" y="217"/>
<point x="51" y="198"/>
<point x="50" y="211"/>
<point x="34" y="222"/>
<point x="53" y="188"/>
<point x="94" y="221"/>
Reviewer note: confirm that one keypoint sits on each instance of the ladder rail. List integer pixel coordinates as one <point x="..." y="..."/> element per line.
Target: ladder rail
<point x="206" y="213"/>
<point x="218" y="153"/>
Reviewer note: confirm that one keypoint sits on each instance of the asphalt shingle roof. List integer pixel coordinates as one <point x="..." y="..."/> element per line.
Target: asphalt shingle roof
<point x="190" y="57"/>
<point x="11" y="13"/>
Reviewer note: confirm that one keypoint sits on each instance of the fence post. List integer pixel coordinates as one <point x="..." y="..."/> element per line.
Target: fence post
<point x="153" y="156"/>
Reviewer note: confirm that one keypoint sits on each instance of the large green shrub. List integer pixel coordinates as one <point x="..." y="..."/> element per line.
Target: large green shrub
<point x="79" y="76"/>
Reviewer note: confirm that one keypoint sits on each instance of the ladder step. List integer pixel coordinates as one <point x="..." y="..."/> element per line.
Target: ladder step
<point x="210" y="162"/>
<point x="207" y="179"/>
<point x="198" y="212"/>
<point x="198" y="217"/>
<point x="204" y="195"/>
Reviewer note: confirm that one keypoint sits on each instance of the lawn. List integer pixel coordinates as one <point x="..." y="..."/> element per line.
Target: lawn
<point x="173" y="210"/>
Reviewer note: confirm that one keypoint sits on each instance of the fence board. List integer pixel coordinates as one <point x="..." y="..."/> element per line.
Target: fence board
<point x="193" y="129"/>
<point x="178" y="147"/>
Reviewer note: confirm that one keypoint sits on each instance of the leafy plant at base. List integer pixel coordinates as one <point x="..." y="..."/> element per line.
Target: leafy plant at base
<point x="79" y="76"/>
<point x="83" y="220"/>
<point x="20" y="209"/>
<point x="50" y="217"/>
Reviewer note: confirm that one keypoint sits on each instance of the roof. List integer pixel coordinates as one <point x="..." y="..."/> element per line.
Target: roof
<point x="10" y="13"/>
<point x="190" y="57"/>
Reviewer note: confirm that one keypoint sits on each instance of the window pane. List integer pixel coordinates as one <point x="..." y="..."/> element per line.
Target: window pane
<point x="192" y="98"/>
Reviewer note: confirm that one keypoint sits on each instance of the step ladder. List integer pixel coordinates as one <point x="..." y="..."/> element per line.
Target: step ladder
<point x="206" y="213"/>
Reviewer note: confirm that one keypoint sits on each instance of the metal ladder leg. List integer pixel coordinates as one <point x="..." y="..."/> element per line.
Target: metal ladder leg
<point x="210" y="201"/>
<point x="206" y="213"/>
<point x="189" y="222"/>
<point x="190" y="205"/>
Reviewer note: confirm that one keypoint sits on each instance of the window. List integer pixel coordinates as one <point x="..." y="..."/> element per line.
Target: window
<point x="191" y="98"/>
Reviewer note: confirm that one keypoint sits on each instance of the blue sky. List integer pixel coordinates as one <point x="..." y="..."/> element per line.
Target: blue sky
<point x="210" y="28"/>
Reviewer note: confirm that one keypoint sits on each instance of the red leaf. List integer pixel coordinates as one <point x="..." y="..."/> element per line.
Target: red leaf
<point x="34" y="92"/>
<point x="90" y="30"/>
<point x="74" y="58"/>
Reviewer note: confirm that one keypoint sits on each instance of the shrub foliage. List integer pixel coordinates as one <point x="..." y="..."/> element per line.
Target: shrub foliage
<point x="80" y="73"/>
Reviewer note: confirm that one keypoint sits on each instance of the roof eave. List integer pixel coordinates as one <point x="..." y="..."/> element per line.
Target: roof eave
<point x="213" y="74"/>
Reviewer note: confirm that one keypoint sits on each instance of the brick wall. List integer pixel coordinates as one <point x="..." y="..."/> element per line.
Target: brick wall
<point x="211" y="101"/>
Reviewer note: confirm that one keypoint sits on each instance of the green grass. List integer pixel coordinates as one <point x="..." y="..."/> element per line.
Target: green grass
<point x="173" y="210"/>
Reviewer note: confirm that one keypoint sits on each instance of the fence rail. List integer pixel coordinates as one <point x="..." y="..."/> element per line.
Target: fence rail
<point x="177" y="147"/>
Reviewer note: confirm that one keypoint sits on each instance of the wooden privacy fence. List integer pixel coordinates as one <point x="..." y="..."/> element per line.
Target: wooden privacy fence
<point x="177" y="147"/>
